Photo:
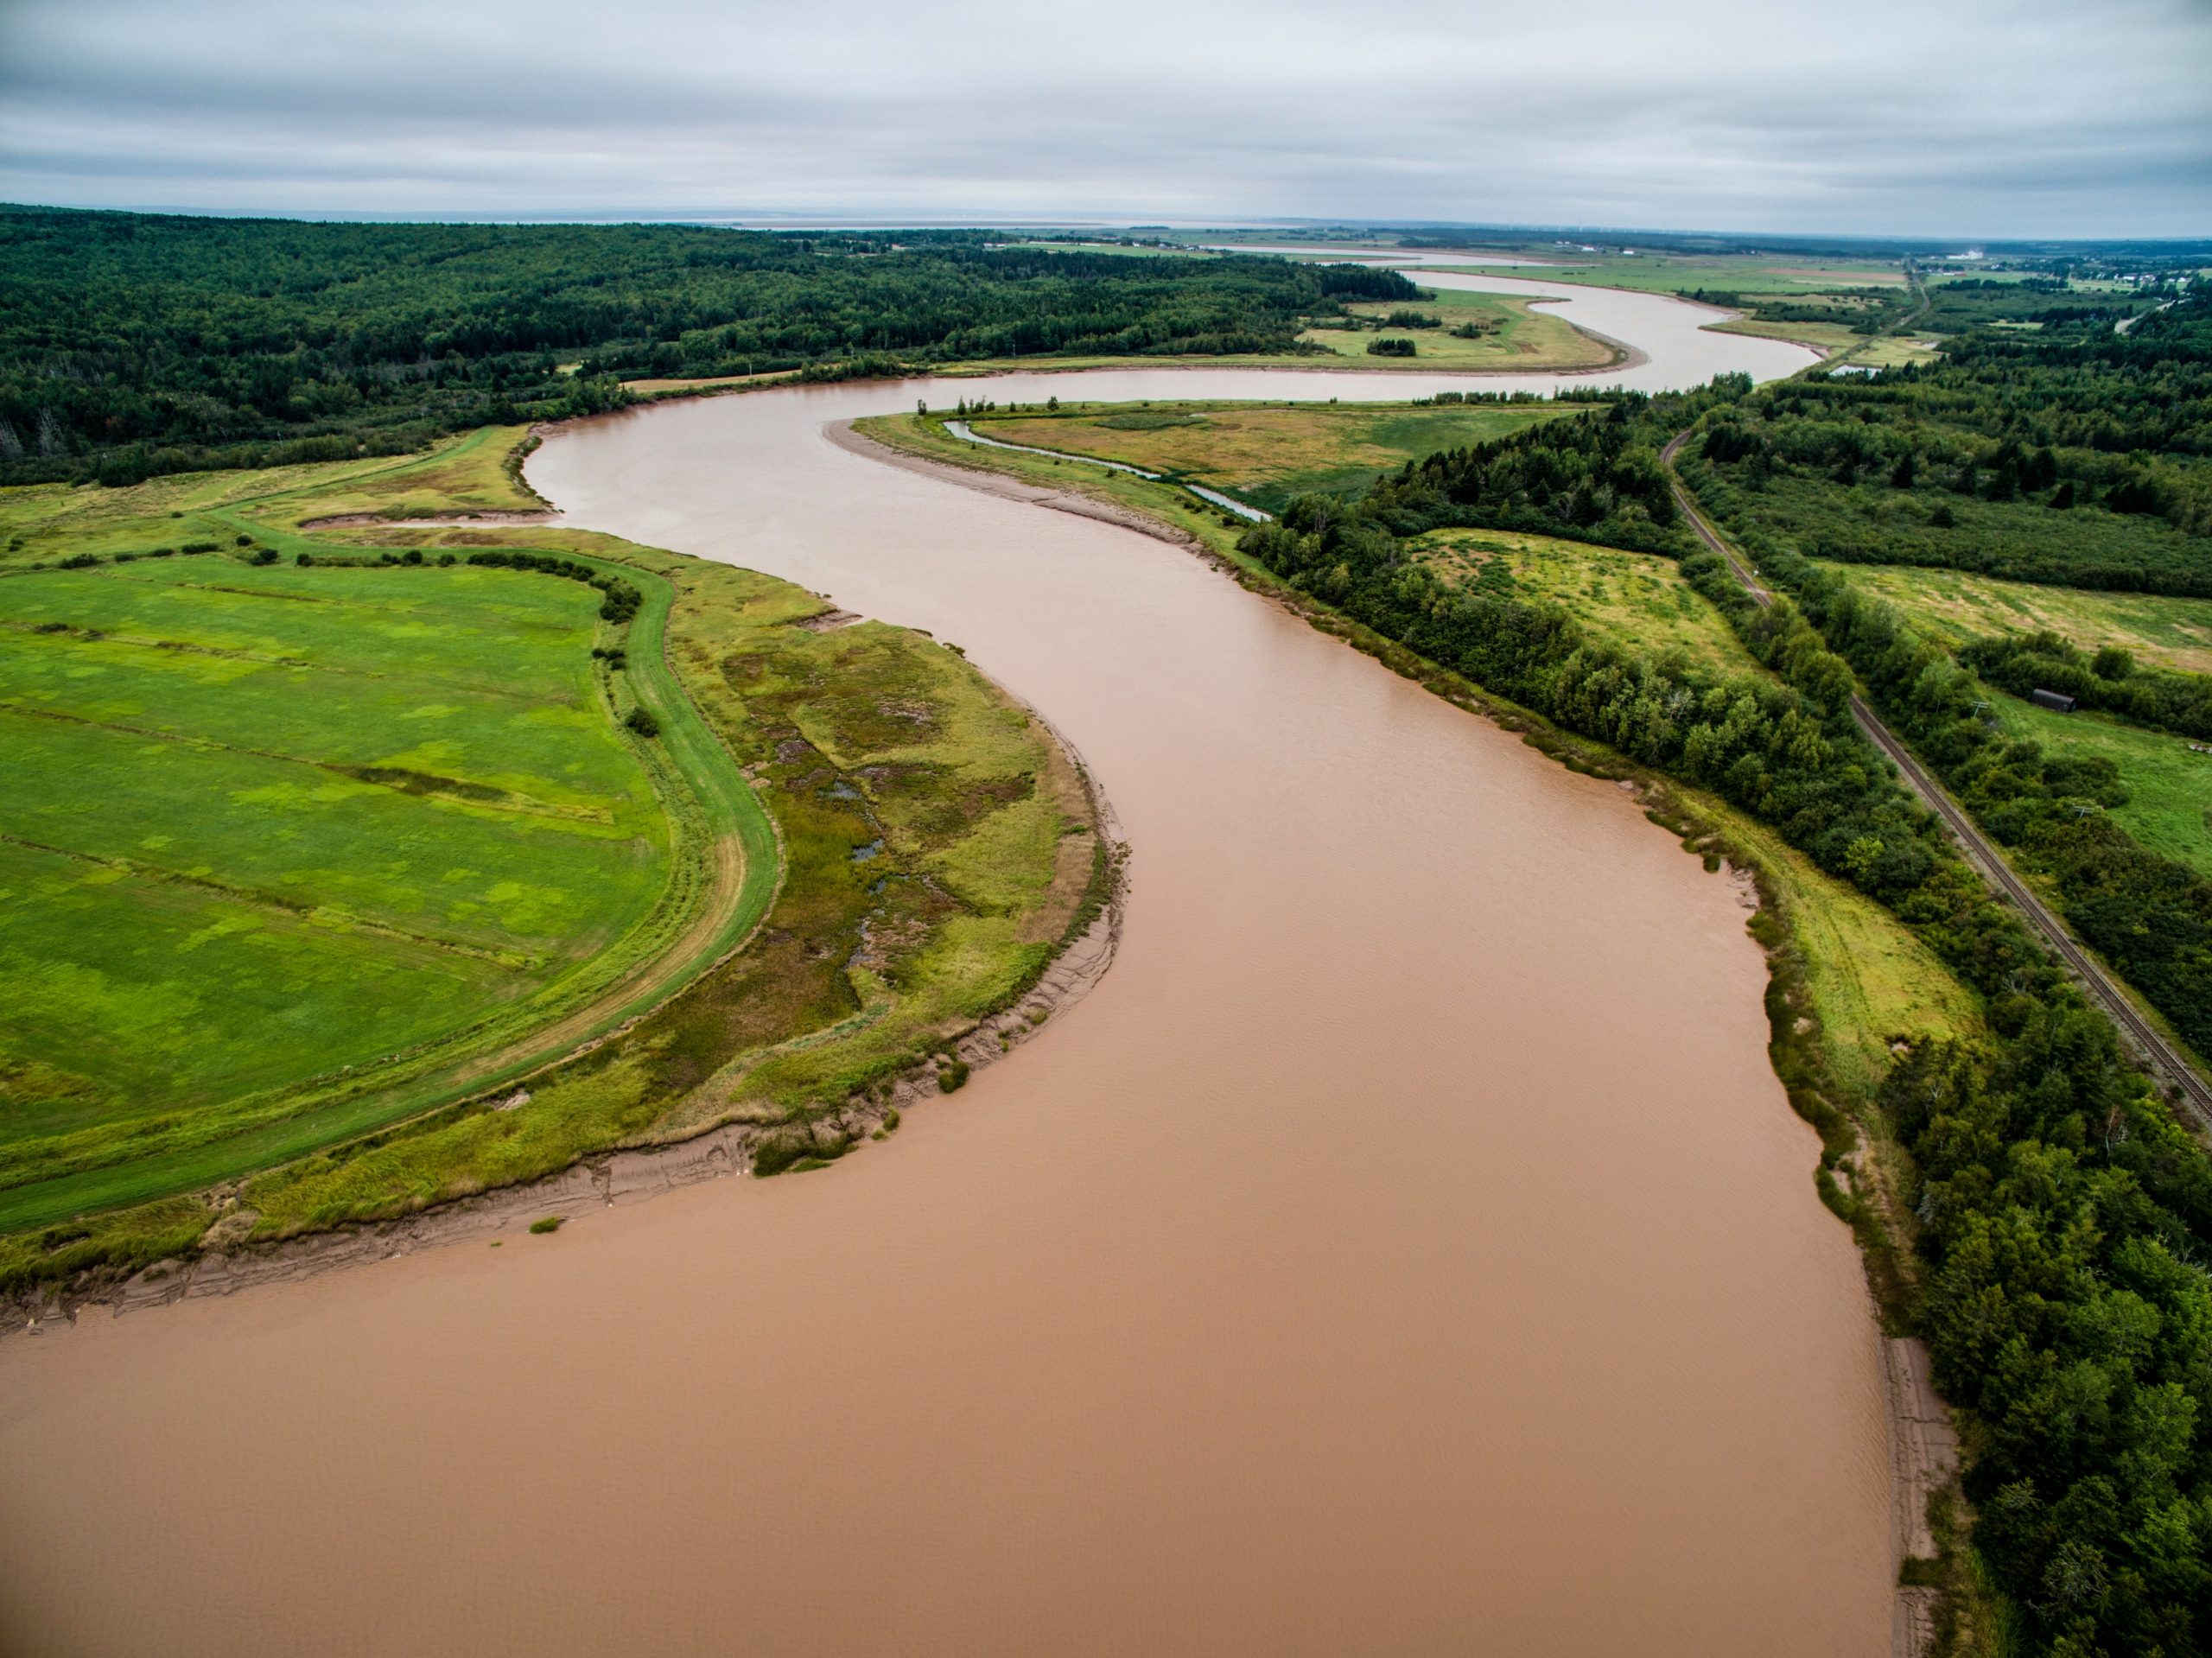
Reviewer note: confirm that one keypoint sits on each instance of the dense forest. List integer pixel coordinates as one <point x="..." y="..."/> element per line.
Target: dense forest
<point x="1596" y="479"/>
<point x="2072" y="453"/>
<point x="2062" y="1210"/>
<point x="136" y="344"/>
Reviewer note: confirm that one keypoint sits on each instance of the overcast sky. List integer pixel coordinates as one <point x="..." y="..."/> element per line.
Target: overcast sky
<point x="1967" y="119"/>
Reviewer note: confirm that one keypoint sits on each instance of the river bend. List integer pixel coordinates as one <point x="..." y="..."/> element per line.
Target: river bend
<point x="1406" y="1250"/>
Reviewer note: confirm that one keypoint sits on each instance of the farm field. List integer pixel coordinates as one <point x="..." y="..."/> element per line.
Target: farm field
<point x="2169" y="786"/>
<point x="2165" y="632"/>
<point x="296" y="853"/>
<point x="268" y="824"/>
<point x="1266" y="453"/>
<point x="1636" y="600"/>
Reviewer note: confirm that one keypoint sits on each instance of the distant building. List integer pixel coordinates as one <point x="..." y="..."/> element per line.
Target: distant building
<point x="2056" y="701"/>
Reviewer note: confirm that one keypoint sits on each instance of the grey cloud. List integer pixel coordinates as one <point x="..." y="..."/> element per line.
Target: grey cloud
<point x="1980" y="117"/>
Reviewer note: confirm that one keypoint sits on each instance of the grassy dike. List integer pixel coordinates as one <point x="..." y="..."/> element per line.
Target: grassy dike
<point x="1848" y="981"/>
<point x="867" y="847"/>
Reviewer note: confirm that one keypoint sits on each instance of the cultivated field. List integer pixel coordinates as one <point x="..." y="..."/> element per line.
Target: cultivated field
<point x="43" y="522"/>
<point x="268" y="827"/>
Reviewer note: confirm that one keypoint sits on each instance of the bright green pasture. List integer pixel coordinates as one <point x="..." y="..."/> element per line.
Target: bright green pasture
<point x="2169" y="786"/>
<point x="262" y="823"/>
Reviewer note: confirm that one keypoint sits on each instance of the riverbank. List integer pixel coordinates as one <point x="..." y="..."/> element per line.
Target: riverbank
<point x="771" y="1001"/>
<point x="628" y="1173"/>
<point x="1828" y="1017"/>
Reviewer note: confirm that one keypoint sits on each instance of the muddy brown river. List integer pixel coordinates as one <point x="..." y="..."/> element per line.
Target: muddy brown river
<point x="1406" y="1249"/>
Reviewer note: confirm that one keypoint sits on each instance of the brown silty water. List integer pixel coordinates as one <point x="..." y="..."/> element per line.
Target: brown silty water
<point x="1406" y="1247"/>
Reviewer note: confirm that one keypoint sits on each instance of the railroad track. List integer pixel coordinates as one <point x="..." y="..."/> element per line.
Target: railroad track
<point x="2143" y="1039"/>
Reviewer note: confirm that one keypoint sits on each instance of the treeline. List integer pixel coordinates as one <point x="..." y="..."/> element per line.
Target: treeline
<point x="2063" y="1210"/>
<point x="137" y="344"/>
<point x="2109" y="679"/>
<point x="1594" y="479"/>
<point x="2037" y="457"/>
<point x="2149" y="915"/>
<point x="622" y="598"/>
<point x="1957" y="307"/>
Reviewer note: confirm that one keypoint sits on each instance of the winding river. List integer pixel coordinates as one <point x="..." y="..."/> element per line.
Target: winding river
<point x="1406" y="1248"/>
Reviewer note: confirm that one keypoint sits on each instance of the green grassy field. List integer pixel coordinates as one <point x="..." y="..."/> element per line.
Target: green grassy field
<point x="2169" y="786"/>
<point x="2162" y="631"/>
<point x="266" y="825"/>
<point x="1268" y="453"/>
<point x="300" y="866"/>
<point x="1513" y="336"/>
<point x="1871" y="983"/>
<point x="1634" y="599"/>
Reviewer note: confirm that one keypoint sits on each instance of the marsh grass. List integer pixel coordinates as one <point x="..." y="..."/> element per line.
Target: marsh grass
<point x="849" y="975"/>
